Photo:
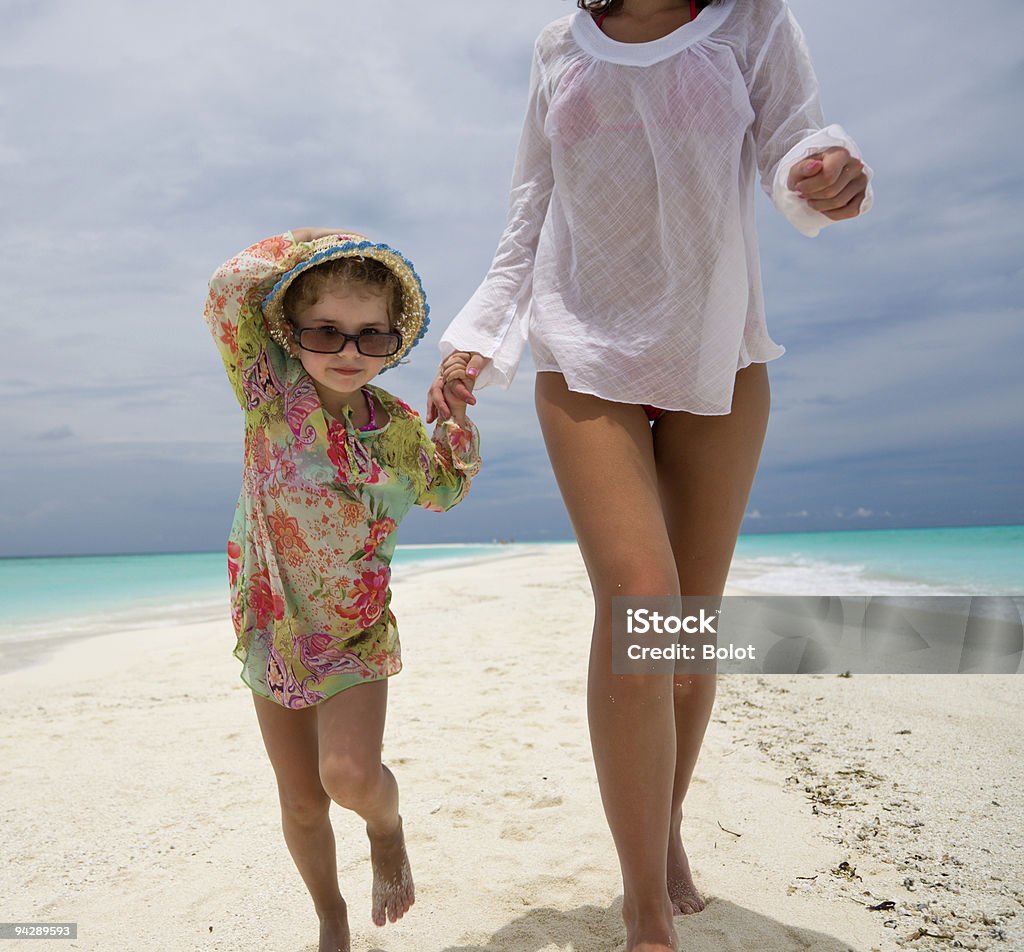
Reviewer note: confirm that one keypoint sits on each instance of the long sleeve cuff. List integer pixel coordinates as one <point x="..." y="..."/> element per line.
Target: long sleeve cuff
<point x="808" y="221"/>
<point x="462" y="442"/>
<point x="504" y="346"/>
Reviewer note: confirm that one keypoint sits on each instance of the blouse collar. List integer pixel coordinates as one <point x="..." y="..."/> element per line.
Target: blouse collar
<point x="591" y="38"/>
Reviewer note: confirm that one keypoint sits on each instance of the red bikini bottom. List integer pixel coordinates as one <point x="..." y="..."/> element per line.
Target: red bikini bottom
<point x="652" y="412"/>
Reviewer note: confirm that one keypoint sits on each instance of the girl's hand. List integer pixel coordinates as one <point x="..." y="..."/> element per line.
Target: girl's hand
<point x="302" y="235"/>
<point x="833" y="182"/>
<point x="452" y="388"/>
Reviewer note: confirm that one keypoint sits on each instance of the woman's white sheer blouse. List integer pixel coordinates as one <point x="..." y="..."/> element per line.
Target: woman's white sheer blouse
<point x="630" y="260"/>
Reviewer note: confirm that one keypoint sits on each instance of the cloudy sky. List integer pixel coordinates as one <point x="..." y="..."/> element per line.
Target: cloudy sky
<point x="141" y="145"/>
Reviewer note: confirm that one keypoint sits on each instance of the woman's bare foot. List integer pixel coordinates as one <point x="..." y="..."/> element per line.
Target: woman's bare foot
<point x="334" y="935"/>
<point x="681" y="890"/>
<point x="652" y="932"/>
<point x="393" y="891"/>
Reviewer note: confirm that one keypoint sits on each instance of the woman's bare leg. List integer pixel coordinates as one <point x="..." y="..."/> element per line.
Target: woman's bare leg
<point x="602" y="455"/>
<point x="706" y="467"/>
<point x="291" y="741"/>
<point x="351" y="729"/>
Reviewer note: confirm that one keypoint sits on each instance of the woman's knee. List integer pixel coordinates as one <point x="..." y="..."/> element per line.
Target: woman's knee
<point x="631" y="578"/>
<point x="649" y="578"/>
<point x="351" y="782"/>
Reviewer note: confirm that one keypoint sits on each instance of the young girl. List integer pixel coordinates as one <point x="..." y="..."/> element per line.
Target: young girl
<point x="630" y="263"/>
<point x="304" y="321"/>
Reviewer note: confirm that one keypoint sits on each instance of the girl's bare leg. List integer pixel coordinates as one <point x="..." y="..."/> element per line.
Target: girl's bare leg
<point x="332" y="752"/>
<point x="603" y="457"/>
<point x="291" y="741"/>
<point x="706" y="466"/>
<point x="351" y="729"/>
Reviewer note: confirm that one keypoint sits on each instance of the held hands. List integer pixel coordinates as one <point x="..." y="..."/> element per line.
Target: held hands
<point x="452" y="388"/>
<point x="832" y="181"/>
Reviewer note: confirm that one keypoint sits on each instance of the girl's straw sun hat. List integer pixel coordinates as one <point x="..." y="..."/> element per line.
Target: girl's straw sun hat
<point x="411" y="323"/>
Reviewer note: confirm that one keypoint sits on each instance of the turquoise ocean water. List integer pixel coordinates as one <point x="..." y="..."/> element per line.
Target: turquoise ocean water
<point x="971" y="560"/>
<point x="43" y="598"/>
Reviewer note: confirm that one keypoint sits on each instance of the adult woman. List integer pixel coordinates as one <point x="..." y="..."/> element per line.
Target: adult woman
<point x="630" y="263"/>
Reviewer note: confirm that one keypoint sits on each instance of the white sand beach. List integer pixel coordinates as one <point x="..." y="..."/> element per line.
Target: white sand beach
<point x="137" y="800"/>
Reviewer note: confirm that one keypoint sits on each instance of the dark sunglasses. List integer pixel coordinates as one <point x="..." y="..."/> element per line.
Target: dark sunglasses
<point x="329" y="340"/>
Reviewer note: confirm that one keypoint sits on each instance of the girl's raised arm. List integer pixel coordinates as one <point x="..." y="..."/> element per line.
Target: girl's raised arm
<point x="234" y="315"/>
<point x="788" y="123"/>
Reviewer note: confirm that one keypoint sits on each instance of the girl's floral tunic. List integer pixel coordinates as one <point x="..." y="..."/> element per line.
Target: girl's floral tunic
<point x="310" y="546"/>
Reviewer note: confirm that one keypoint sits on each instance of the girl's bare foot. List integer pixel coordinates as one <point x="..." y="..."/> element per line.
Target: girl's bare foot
<point x="334" y="936"/>
<point x="681" y="889"/>
<point x="393" y="891"/>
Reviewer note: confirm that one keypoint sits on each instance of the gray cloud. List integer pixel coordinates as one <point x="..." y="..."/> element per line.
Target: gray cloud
<point x="143" y="148"/>
<point x="63" y="432"/>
